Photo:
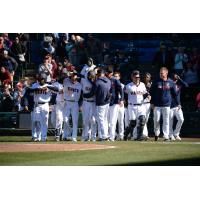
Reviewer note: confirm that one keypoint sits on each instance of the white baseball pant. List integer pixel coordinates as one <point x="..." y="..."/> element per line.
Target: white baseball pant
<point x="165" y="111"/>
<point x="134" y="112"/>
<point x="178" y="113"/>
<point x="112" y="120"/>
<point x="126" y="117"/>
<point x="145" y="131"/>
<point x="89" y="120"/>
<point x="41" y="116"/>
<point x="53" y="115"/>
<point x="102" y="120"/>
<point x="120" y="120"/>
<point x="73" y="109"/>
<point x="59" y="107"/>
<point x="33" y="126"/>
<point x="148" y="110"/>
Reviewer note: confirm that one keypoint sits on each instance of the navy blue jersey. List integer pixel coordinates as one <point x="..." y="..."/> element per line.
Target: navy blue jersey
<point x="178" y="85"/>
<point x="116" y="91"/>
<point x="102" y="92"/>
<point x="162" y="93"/>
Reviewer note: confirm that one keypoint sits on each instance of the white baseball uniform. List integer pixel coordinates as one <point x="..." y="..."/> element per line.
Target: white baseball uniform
<point x="126" y="117"/>
<point x="72" y="92"/>
<point x="136" y="107"/>
<point x="88" y="112"/>
<point x="136" y="100"/>
<point x="59" y="106"/>
<point x="178" y="113"/>
<point x="41" y="110"/>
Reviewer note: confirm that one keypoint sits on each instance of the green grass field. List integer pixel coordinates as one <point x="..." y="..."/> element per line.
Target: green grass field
<point x="150" y="153"/>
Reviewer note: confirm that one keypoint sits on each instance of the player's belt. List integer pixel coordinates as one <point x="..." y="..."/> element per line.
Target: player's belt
<point x="71" y="100"/>
<point x="42" y="102"/>
<point x="135" y="104"/>
<point x="88" y="100"/>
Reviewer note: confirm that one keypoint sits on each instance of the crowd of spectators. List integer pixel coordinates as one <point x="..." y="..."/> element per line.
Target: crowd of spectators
<point x="65" y="52"/>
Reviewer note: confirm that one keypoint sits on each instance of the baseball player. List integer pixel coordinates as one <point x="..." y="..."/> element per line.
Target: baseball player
<point x="147" y="105"/>
<point x="148" y="83"/>
<point x="42" y="95"/>
<point x="59" y="108"/>
<point x="121" y="111"/>
<point x="72" y="91"/>
<point x="102" y="94"/>
<point x="175" y="110"/>
<point x="89" y="107"/>
<point x="137" y="92"/>
<point x="116" y="101"/>
<point x="162" y="91"/>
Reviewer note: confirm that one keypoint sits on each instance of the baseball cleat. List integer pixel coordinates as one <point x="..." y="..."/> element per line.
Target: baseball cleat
<point x="74" y="140"/>
<point x="177" y="138"/>
<point x="166" y="140"/>
<point x="172" y="138"/>
<point x="103" y="139"/>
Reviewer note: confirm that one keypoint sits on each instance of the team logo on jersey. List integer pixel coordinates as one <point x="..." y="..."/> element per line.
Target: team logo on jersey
<point x="72" y="89"/>
<point x="41" y="91"/>
<point x="165" y="86"/>
<point x="136" y="93"/>
<point x="87" y="88"/>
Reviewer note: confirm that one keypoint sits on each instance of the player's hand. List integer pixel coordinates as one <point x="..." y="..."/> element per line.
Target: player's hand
<point x="149" y="97"/>
<point x="179" y="107"/>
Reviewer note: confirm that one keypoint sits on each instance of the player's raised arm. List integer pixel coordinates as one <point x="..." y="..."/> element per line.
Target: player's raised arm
<point x="53" y="88"/>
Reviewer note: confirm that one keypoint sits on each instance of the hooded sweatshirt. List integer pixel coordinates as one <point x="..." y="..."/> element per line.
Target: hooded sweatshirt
<point x="102" y="93"/>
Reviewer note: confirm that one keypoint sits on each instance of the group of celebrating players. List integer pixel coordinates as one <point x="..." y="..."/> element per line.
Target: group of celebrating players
<point x="110" y="110"/>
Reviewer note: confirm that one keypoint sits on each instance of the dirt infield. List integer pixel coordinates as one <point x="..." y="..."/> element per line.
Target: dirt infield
<point x="30" y="147"/>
